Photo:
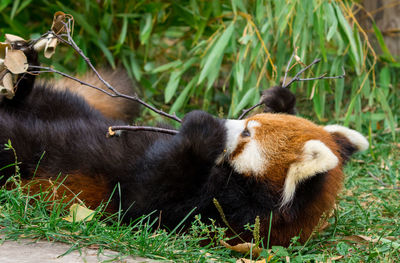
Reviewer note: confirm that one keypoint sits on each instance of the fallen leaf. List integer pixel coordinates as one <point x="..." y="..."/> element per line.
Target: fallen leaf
<point x="243" y="248"/>
<point x="78" y="213"/>
<point x="362" y="238"/>
<point x="16" y="61"/>
<point x="12" y="38"/>
<point x="245" y="260"/>
<point x="334" y="258"/>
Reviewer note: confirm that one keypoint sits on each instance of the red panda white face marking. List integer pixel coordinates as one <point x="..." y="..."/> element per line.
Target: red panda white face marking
<point x="244" y="152"/>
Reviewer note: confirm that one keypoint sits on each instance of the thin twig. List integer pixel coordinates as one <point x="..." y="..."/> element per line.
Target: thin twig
<point x="301" y="71"/>
<point x="112" y="129"/>
<point x="244" y="113"/>
<point x="296" y="77"/>
<point x="51" y="70"/>
<point x="115" y="94"/>
<point x="323" y="76"/>
<point x="69" y="41"/>
<point x="287" y="68"/>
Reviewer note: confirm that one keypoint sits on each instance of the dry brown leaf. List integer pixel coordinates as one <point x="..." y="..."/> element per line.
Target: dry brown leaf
<point x="3" y="50"/>
<point x="50" y="47"/>
<point x="243" y="248"/>
<point x="7" y="87"/>
<point x="78" y="213"/>
<point x="12" y="38"/>
<point x="362" y="238"/>
<point x="245" y="260"/>
<point x="16" y="61"/>
<point x="58" y="25"/>
<point x="334" y="258"/>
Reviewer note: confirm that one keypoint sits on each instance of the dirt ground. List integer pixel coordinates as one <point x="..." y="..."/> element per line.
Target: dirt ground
<point x="31" y="251"/>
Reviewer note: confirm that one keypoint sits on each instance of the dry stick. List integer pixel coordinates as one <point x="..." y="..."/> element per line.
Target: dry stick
<point x="112" y="129"/>
<point x="72" y="44"/>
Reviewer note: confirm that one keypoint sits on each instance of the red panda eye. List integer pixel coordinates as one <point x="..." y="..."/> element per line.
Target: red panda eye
<point x="245" y="133"/>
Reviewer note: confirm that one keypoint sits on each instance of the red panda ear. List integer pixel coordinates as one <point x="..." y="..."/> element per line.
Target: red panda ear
<point x="348" y="140"/>
<point x="315" y="158"/>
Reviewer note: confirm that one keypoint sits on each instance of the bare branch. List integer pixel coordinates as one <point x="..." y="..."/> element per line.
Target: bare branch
<point x="114" y="93"/>
<point x="323" y="76"/>
<point x="244" y="113"/>
<point x="112" y="129"/>
<point x="296" y="77"/>
<point x="301" y="71"/>
<point x="287" y="68"/>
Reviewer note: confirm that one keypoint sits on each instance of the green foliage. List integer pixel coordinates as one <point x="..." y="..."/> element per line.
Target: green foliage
<point x="219" y="55"/>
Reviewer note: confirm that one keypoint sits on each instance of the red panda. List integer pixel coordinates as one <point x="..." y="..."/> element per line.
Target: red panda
<point x="266" y="165"/>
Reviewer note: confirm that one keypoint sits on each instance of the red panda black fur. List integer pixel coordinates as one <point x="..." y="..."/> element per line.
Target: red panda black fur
<point x="267" y="164"/>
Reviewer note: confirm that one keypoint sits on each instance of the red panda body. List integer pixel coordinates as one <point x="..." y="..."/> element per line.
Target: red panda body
<point x="267" y="164"/>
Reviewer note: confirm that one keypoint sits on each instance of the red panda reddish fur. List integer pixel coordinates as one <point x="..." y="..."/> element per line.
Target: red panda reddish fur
<point x="111" y="107"/>
<point x="266" y="164"/>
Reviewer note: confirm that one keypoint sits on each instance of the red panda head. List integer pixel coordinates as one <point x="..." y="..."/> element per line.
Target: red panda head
<point x="286" y="151"/>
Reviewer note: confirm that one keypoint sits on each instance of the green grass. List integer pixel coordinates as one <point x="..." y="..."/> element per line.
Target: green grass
<point x="368" y="206"/>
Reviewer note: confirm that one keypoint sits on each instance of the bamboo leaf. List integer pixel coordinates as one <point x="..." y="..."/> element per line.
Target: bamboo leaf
<point x="124" y="29"/>
<point x="216" y="53"/>
<point x="246" y="100"/>
<point x="381" y="42"/>
<point x="350" y="37"/>
<point x="146" y="25"/>
<point x="14" y="9"/>
<point x="106" y="52"/>
<point x="330" y="15"/>
<point x="239" y="74"/>
<point x="388" y="111"/>
<point x="182" y="97"/>
<point x="172" y="85"/>
<point x="350" y="110"/>
<point x="165" y="67"/>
